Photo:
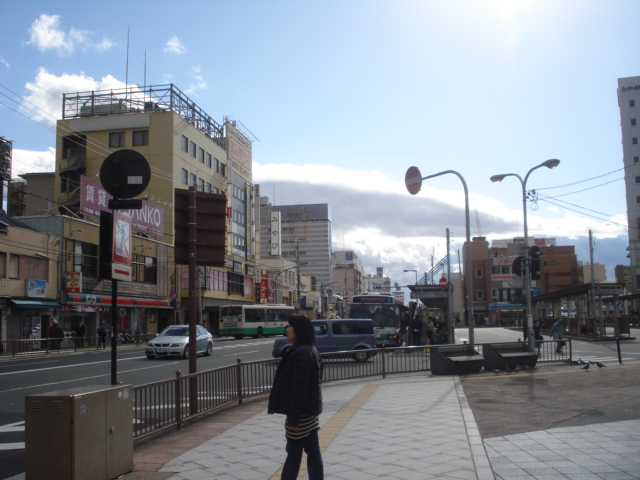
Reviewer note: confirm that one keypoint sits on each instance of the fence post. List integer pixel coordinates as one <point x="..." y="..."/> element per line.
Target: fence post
<point x="619" y="353"/>
<point x="570" y="350"/>
<point x="178" y="400"/>
<point x="239" y="379"/>
<point x="384" y="362"/>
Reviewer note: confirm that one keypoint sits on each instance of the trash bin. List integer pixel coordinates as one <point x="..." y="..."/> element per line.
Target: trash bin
<point x="79" y="433"/>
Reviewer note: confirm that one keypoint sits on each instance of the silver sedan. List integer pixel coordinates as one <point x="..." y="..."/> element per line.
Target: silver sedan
<point x="174" y="341"/>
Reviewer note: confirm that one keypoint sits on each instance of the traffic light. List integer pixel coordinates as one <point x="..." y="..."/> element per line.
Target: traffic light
<point x="534" y="253"/>
<point x="518" y="266"/>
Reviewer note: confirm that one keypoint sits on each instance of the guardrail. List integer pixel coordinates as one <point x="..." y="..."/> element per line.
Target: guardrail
<point x="169" y="403"/>
<point x="67" y="344"/>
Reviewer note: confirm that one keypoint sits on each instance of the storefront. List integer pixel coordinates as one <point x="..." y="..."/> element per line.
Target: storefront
<point x="135" y="314"/>
<point x="29" y="319"/>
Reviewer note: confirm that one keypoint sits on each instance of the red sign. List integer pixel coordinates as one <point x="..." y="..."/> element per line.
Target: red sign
<point x="443" y="283"/>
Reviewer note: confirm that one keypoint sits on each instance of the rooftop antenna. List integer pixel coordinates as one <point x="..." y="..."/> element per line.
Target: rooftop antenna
<point x="126" y="76"/>
<point x="145" y="69"/>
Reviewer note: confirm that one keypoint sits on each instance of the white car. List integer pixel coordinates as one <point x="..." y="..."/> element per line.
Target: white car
<point x="174" y="341"/>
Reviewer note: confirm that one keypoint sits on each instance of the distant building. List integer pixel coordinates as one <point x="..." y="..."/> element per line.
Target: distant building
<point x="305" y="236"/>
<point x="377" y="283"/>
<point x="599" y="273"/>
<point x="629" y="105"/>
<point x="347" y="273"/>
<point x="31" y="195"/>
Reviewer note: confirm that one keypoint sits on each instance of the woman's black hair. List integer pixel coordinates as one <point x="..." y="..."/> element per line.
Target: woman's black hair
<point x="303" y="329"/>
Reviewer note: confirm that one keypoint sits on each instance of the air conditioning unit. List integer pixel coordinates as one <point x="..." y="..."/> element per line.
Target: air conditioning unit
<point x="150" y="106"/>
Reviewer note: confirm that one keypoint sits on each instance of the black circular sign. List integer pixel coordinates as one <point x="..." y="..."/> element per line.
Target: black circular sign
<point x="125" y="174"/>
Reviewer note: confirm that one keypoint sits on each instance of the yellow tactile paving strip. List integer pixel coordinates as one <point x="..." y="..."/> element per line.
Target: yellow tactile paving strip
<point x="334" y="426"/>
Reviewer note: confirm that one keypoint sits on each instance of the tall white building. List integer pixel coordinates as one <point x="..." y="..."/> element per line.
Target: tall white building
<point x="629" y="104"/>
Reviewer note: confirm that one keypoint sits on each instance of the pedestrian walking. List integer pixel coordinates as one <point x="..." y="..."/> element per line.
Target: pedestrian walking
<point x="556" y="334"/>
<point x="537" y="335"/>
<point x="296" y="393"/>
<point x="430" y="329"/>
<point x="102" y="337"/>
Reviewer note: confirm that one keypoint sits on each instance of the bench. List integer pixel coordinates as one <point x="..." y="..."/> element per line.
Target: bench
<point x="455" y="359"/>
<point x="502" y="355"/>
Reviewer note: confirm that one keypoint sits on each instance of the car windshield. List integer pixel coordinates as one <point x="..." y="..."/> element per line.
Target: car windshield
<point x="175" y="332"/>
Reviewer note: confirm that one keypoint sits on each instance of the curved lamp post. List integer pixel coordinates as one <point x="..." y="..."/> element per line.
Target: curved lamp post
<point x="552" y="163"/>
<point x="416" y="272"/>
<point x="413" y="181"/>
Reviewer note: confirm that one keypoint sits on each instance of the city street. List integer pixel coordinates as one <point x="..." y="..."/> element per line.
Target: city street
<point x="21" y="377"/>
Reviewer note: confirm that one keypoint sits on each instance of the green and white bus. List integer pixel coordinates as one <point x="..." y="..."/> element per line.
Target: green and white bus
<point x="386" y="312"/>
<point x="254" y="320"/>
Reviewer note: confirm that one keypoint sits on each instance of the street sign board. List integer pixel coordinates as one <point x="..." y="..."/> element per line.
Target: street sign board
<point x="443" y="283"/>
<point x="413" y="180"/>
<point x="125" y="174"/>
<point x="429" y="294"/>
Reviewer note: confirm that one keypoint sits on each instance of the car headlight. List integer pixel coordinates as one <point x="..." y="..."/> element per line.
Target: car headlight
<point x="178" y="344"/>
<point x="150" y="345"/>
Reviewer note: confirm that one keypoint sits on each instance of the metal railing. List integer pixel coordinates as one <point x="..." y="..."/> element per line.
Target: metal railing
<point x="169" y="403"/>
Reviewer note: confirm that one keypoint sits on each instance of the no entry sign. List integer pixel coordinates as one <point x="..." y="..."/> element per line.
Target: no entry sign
<point x="443" y="283"/>
<point x="413" y="180"/>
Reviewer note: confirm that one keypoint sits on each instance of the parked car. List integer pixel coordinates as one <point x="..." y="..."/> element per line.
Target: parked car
<point x="174" y="341"/>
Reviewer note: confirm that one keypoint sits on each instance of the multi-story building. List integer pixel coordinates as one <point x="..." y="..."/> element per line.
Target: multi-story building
<point x="499" y="294"/>
<point x="347" y="273"/>
<point x="377" y="283"/>
<point x="599" y="272"/>
<point x="629" y="105"/>
<point x="185" y="148"/>
<point x="305" y="237"/>
<point x="31" y="195"/>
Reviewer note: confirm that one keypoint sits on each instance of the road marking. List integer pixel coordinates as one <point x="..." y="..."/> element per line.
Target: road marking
<point x="12" y="427"/>
<point x="68" y="366"/>
<point x="86" y="378"/>
<point x="12" y="446"/>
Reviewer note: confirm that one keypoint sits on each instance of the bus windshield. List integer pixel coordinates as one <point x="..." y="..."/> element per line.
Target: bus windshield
<point x="382" y="315"/>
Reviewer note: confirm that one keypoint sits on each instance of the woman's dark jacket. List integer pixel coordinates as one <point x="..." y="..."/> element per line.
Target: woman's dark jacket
<point x="296" y="387"/>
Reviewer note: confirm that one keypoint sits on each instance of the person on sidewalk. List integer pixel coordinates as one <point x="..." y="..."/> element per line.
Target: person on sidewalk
<point x="537" y="335"/>
<point x="296" y="393"/>
<point x="556" y="334"/>
<point x="102" y="337"/>
<point x="431" y="327"/>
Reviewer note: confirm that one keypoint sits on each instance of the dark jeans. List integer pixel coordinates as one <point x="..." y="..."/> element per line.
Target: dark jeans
<point x="311" y="446"/>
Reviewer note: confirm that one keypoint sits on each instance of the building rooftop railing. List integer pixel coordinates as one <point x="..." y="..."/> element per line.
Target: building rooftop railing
<point x="141" y="99"/>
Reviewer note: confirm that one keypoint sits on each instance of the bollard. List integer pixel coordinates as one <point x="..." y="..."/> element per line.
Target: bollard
<point x="619" y="353"/>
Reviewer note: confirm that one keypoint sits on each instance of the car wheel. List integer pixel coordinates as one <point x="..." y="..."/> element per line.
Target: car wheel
<point x="361" y="356"/>
<point x="186" y="351"/>
<point x="238" y="337"/>
<point x="258" y="333"/>
<point x="151" y="357"/>
<point x="209" y="350"/>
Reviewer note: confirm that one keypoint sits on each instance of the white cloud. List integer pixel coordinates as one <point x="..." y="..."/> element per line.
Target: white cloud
<point x="200" y="84"/>
<point x="44" y="103"/>
<point x="46" y="34"/>
<point x="4" y="62"/>
<point x="29" y="161"/>
<point x="174" y="45"/>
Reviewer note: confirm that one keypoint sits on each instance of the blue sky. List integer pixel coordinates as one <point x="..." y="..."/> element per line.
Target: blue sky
<point x="344" y="96"/>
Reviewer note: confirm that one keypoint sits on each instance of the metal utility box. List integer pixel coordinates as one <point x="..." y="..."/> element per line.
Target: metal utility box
<point x="80" y="433"/>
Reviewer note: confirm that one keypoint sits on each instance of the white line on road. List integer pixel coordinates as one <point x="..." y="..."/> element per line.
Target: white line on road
<point x="67" y="366"/>
<point x="12" y="427"/>
<point x="12" y="446"/>
<point x="85" y="378"/>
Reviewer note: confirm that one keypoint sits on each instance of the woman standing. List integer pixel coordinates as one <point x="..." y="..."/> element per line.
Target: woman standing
<point x="296" y="393"/>
<point x="556" y="334"/>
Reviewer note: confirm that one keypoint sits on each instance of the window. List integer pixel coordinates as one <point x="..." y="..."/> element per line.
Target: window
<point x="185" y="144"/>
<point x="235" y="283"/>
<point x="636" y="159"/>
<point x="633" y="122"/>
<point x="201" y="185"/>
<point x="637" y="199"/>
<point x="116" y="139"/>
<point x="192" y="179"/>
<point x="22" y="266"/>
<point x="223" y="170"/>
<point x="140" y="137"/>
<point x="144" y="269"/>
<point x="634" y="140"/>
<point x="192" y="149"/>
<point x="637" y="179"/>
<point x="201" y="155"/>
<point x="632" y="103"/>
<point x="478" y="273"/>
<point x="480" y="295"/>
<point x="208" y="188"/>
<point x="184" y="177"/>
<point x="86" y="259"/>
<point x="14" y="266"/>
<point x="208" y="160"/>
<point x="3" y="265"/>
<point x="216" y="164"/>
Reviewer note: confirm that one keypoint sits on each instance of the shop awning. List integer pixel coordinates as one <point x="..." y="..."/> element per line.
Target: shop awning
<point x="34" y="304"/>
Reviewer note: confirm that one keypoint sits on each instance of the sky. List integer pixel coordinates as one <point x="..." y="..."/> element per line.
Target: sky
<point x="342" y="96"/>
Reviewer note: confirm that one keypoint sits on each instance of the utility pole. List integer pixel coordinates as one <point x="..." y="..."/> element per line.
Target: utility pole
<point x="450" y="322"/>
<point x="594" y="313"/>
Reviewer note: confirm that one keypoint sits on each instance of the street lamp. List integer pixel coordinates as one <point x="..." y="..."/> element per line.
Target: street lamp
<point x="416" y="272"/>
<point x="413" y="181"/>
<point x="552" y="163"/>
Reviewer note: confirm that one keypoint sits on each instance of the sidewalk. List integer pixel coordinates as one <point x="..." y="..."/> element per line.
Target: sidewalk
<point x="536" y="425"/>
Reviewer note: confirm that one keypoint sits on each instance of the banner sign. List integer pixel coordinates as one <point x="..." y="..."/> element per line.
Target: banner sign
<point x="276" y="248"/>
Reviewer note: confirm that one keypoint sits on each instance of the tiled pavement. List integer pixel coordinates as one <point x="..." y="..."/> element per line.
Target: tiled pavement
<point x="548" y="423"/>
